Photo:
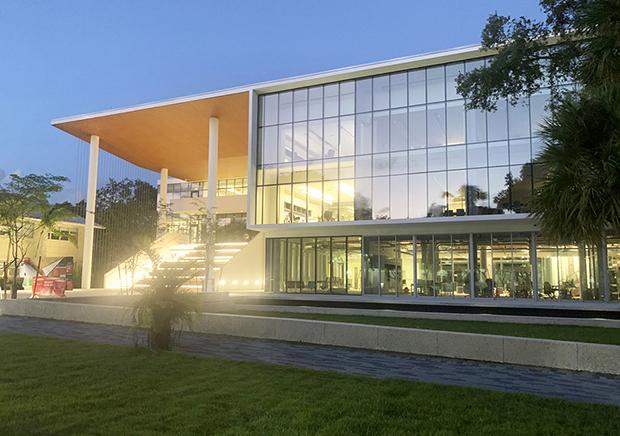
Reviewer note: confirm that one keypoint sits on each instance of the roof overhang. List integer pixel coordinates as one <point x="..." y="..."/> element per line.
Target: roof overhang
<point x="173" y="136"/>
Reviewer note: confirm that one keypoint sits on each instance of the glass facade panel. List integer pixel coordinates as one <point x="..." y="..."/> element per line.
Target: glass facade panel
<point x="347" y="98"/>
<point x="417" y="87"/>
<point x="398" y="90"/>
<point x="439" y="266"/>
<point x="358" y="129"/>
<point x="398" y="129"/>
<point x="363" y="199"/>
<point x="308" y="265"/>
<point x="381" y="201"/>
<point x="380" y="92"/>
<point x="435" y="84"/>
<point x="300" y="105"/>
<point x="398" y="191"/>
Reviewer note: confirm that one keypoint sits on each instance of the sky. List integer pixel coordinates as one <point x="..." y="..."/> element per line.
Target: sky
<point x="68" y="57"/>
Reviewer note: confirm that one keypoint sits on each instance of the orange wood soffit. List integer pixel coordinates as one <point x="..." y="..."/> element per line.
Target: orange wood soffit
<point x="174" y="136"/>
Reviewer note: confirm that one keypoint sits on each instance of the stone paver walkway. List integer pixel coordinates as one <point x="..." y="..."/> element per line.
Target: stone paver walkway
<point x="570" y="385"/>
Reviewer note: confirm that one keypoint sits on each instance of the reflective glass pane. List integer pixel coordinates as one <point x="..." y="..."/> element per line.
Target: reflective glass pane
<point x="436" y="124"/>
<point x="417" y="161"/>
<point x="315" y="171"/>
<point x="347" y="194"/>
<point x="299" y="171"/>
<point x="363" y="166"/>
<point x="362" y="200"/>
<point x="436" y="194"/>
<point x="330" y="137"/>
<point x="315" y="202"/>
<point x="398" y="129"/>
<point x="380" y="131"/>
<point x="354" y="265"/>
<point x="381" y="202"/>
<point x="398" y="197"/>
<point x="437" y="159"/>
<point x="381" y="164"/>
<point x="315" y="139"/>
<point x="455" y="122"/>
<point x="497" y="122"/>
<point x="417" y="196"/>
<point x="308" y="265"/>
<point x="499" y="189"/>
<point x="363" y="133"/>
<point x="363" y="95"/>
<point x="284" y="204"/>
<point x="538" y="103"/>
<point x="339" y="264"/>
<point x="456" y="157"/>
<point x="519" y="151"/>
<point x="270" y="147"/>
<point x="270" y="112"/>
<point x="424" y="265"/>
<point x="417" y="87"/>
<point x="477" y="155"/>
<point x="330" y="100"/>
<point x="498" y="153"/>
<point x="300" y="105"/>
<point x="270" y="204"/>
<point x="347" y="168"/>
<point x="330" y="201"/>
<point x="417" y="127"/>
<point x="477" y="192"/>
<point x="519" y="119"/>
<point x="300" y="205"/>
<point x="285" y="143"/>
<point x="323" y="265"/>
<point x="347" y="98"/>
<point x="371" y="265"/>
<point x="476" y="125"/>
<point x="398" y="90"/>
<point x="330" y="169"/>
<point x="452" y="71"/>
<point x="389" y="266"/>
<point x="300" y="141"/>
<point x="456" y="193"/>
<point x="521" y="188"/>
<point x="381" y="92"/>
<point x="270" y="174"/>
<point x="398" y="162"/>
<point x="347" y="135"/>
<point x="435" y="84"/>
<point x="285" y="106"/>
<point x="285" y="173"/>
<point x="483" y="281"/>
<point x="315" y="103"/>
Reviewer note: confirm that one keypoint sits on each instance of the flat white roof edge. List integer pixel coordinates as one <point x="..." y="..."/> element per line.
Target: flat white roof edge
<point x="273" y="83"/>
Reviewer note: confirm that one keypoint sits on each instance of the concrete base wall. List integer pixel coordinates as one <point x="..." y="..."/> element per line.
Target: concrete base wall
<point x="504" y="349"/>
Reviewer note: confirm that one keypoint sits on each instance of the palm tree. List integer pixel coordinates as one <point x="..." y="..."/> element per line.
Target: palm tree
<point x="164" y="308"/>
<point x="578" y="198"/>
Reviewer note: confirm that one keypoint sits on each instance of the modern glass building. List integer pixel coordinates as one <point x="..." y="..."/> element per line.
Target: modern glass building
<point x="376" y="180"/>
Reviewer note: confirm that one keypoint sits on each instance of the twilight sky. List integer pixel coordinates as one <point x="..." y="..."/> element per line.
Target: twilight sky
<point x="67" y="57"/>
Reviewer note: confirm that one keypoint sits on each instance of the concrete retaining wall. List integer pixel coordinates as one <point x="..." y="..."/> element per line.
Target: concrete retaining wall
<point x="504" y="349"/>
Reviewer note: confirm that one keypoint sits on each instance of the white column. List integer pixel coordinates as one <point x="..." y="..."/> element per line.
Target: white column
<point x="163" y="198"/>
<point x="91" y="200"/>
<point x="214" y="125"/>
<point x="212" y="176"/>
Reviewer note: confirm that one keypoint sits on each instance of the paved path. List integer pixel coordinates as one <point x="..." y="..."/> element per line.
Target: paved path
<point x="577" y="386"/>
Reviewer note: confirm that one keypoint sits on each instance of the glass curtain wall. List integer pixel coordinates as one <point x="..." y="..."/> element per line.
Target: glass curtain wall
<point x="395" y="146"/>
<point x="439" y="266"/>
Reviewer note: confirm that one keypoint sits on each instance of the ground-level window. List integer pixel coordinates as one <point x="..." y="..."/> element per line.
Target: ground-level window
<point x="487" y="265"/>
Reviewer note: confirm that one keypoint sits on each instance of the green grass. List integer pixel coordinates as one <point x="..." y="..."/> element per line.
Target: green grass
<point x="54" y="386"/>
<point x="598" y="335"/>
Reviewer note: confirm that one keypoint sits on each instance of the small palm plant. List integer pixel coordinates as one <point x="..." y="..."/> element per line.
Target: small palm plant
<point x="164" y="308"/>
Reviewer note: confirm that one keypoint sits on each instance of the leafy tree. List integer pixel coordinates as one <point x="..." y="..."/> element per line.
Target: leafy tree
<point x="21" y="199"/>
<point x="578" y="197"/>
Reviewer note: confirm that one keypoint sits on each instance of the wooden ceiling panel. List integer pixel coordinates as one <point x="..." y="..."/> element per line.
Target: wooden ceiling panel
<point x="172" y="136"/>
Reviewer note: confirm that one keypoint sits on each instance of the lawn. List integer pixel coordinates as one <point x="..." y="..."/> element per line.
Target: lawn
<point x="598" y="335"/>
<point x="54" y="386"/>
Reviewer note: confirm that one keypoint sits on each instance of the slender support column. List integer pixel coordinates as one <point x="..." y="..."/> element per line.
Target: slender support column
<point x="472" y="266"/>
<point x="91" y="200"/>
<point x="211" y="196"/>
<point x="163" y="199"/>
<point x="534" y="263"/>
